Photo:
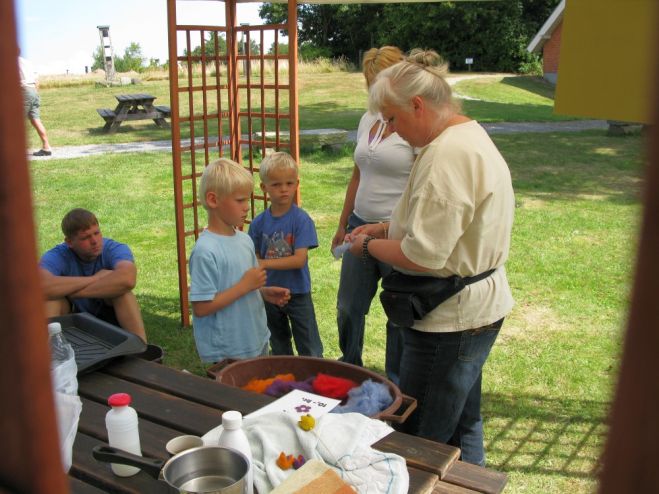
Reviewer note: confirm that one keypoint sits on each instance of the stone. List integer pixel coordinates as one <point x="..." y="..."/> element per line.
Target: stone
<point x="311" y="139"/>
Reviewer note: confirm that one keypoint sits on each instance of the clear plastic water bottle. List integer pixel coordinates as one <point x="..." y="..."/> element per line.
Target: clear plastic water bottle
<point x="123" y="431"/>
<point x="63" y="363"/>
<point x="234" y="437"/>
<point x="64" y="371"/>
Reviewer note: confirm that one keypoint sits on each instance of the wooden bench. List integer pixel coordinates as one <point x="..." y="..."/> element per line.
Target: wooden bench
<point x="106" y="113"/>
<point x="165" y="110"/>
<point x="132" y="107"/>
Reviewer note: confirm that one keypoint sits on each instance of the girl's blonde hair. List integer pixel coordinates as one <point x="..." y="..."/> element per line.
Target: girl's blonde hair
<point x="377" y="59"/>
<point x="224" y="177"/>
<point x="422" y="73"/>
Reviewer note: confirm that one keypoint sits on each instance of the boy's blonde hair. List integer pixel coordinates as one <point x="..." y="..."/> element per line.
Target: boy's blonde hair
<point x="224" y="177"/>
<point x="276" y="161"/>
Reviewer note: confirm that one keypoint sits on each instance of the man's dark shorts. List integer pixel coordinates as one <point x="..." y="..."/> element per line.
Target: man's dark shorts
<point x="104" y="313"/>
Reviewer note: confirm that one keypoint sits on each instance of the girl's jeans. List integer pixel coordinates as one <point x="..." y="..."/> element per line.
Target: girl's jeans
<point x="357" y="287"/>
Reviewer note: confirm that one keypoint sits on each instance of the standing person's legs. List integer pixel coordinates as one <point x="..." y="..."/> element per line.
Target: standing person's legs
<point x="394" y="352"/>
<point x="394" y="348"/>
<point x="41" y="130"/>
<point x="302" y="315"/>
<point x="32" y="103"/>
<point x="357" y="287"/>
<point x="468" y="435"/>
<point x="443" y="372"/>
<point x="280" y="331"/>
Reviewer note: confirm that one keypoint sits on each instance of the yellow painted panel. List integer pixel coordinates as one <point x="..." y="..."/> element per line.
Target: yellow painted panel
<point x="606" y="68"/>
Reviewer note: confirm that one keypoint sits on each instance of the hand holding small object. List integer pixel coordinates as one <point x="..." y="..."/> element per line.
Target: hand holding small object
<point x="276" y="295"/>
<point x="339" y="250"/>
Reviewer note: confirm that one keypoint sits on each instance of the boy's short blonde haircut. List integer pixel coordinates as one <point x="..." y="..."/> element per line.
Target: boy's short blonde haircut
<point x="276" y="161"/>
<point x="224" y="177"/>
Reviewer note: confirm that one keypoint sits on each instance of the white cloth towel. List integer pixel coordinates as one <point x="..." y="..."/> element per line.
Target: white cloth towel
<point x="342" y="441"/>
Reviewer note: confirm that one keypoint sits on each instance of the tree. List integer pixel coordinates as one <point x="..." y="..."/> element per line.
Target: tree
<point x="210" y="42"/>
<point x="494" y="34"/>
<point x="131" y="61"/>
<point x="97" y="56"/>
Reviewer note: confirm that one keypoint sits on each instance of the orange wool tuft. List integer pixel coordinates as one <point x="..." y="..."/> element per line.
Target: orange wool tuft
<point x="285" y="462"/>
<point x="260" y="385"/>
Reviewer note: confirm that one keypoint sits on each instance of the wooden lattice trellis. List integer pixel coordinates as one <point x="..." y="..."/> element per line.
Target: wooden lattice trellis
<point x="233" y="98"/>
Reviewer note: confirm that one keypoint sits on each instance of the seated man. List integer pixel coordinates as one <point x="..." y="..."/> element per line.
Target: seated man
<point x="87" y="273"/>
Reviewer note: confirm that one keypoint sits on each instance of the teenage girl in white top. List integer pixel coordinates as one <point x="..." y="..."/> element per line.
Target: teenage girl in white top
<point x="382" y="165"/>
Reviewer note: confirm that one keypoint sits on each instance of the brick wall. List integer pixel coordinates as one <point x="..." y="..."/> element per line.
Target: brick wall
<point x="551" y="51"/>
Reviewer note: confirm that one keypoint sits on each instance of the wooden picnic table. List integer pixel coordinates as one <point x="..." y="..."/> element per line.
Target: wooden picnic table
<point x="170" y="402"/>
<point x="134" y="107"/>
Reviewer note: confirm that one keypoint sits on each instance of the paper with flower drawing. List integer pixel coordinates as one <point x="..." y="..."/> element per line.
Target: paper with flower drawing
<point x="299" y="403"/>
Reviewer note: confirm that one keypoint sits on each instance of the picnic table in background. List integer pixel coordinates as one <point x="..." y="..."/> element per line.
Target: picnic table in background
<point x="134" y="107"/>
<point x="170" y="402"/>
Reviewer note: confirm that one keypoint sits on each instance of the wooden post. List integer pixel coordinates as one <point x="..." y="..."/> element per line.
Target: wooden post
<point x="632" y="452"/>
<point x="232" y="69"/>
<point x="176" y="161"/>
<point x="28" y="428"/>
<point x="294" y="132"/>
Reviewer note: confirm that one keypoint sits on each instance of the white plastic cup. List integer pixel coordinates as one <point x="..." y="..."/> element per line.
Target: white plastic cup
<point x="183" y="443"/>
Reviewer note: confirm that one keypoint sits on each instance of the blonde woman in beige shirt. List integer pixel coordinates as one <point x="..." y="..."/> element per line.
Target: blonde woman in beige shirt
<point x="454" y="218"/>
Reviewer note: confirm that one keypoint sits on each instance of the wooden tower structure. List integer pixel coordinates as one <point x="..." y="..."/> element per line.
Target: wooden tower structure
<point x="107" y="52"/>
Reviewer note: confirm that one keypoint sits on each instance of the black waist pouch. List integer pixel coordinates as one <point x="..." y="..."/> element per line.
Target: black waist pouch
<point x="406" y="298"/>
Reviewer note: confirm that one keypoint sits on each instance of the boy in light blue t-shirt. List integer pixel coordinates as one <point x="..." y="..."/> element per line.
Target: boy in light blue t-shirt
<point x="226" y="282"/>
<point x="283" y="235"/>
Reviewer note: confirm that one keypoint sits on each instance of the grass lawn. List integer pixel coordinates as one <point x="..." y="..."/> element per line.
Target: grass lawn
<point x="327" y="100"/>
<point x="548" y="381"/>
<point x="509" y="99"/>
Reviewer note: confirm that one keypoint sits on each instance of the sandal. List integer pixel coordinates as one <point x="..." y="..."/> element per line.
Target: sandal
<point x="42" y="152"/>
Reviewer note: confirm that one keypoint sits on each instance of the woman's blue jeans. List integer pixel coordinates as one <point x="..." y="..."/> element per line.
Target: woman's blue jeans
<point x="443" y="371"/>
<point x="357" y="287"/>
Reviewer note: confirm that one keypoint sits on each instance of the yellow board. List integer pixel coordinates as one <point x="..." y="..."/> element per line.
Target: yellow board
<point x="607" y="60"/>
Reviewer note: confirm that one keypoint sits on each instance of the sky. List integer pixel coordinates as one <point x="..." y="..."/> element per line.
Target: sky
<point x="60" y="36"/>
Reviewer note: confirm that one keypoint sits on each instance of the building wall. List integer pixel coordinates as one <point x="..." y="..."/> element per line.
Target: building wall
<point x="551" y="52"/>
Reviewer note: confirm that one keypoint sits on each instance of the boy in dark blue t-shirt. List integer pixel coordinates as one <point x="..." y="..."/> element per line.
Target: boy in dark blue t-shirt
<point x="283" y="235"/>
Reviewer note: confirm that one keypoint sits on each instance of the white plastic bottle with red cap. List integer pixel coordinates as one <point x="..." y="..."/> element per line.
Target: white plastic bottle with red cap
<point x="234" y="437"/>
<point x="123" y="432"/>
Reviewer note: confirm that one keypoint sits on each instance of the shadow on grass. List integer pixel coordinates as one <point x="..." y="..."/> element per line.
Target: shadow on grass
<point x="565" y="166"/>
<point x="543" y="435"/>
<point x="533" y="84"/>
<point x="130" y="133"/>
<point x="162" y="320"/>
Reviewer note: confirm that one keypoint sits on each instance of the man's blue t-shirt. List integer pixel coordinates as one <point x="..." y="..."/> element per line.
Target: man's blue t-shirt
<point x="61" y="260"/>
<point x="239" y="330"/>
<point x="278" y="236"/>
